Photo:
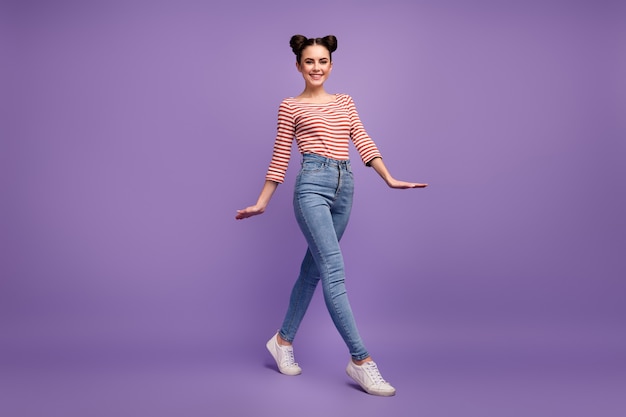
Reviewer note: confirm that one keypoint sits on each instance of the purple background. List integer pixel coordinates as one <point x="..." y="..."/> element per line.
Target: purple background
<point x="132" y="131"/>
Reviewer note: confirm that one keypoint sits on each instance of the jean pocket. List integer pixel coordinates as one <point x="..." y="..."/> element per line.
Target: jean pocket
<point x="312" y="166"/>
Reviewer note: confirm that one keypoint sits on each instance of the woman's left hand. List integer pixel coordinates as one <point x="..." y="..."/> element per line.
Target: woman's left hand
<point x="379" y="166"/>
<point x="393" y="183"/>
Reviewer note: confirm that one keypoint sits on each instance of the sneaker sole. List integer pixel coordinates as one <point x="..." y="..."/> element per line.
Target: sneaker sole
<point x="372" y="392"/>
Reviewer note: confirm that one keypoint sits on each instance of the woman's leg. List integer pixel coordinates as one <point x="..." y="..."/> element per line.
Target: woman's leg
<point x="322" y="205"/>
<point x="304" y="287"/>
<point x="300" y="298"/>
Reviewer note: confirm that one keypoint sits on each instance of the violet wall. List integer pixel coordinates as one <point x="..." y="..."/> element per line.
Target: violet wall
<point x="132" y="131"/>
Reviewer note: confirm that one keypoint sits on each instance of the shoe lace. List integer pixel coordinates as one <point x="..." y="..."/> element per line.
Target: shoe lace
<point x="288" y="358"/>
<point x="372" y="371"/>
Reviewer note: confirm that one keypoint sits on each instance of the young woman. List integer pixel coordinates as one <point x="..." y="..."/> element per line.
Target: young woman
<point x="323" y="124"/>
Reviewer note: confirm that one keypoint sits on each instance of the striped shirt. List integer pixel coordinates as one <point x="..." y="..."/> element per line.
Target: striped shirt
<point x="323" y="129"/>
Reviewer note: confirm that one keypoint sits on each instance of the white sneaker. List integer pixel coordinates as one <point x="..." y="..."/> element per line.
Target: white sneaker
<point x="369" y="378"/>
<point x="283" y="355"/>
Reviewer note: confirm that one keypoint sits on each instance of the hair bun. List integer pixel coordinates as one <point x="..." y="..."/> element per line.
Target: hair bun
<point x="330" y="41"/>
<point x="297" y="43"/>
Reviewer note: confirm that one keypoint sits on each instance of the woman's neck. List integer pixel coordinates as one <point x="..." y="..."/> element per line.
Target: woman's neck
<point x="315" y="95"/>
<point x="314" y="92"/>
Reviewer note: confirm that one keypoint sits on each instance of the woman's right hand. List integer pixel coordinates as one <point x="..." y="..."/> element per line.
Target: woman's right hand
<point x="249" y="212"/>
<point x="266" y="195"/>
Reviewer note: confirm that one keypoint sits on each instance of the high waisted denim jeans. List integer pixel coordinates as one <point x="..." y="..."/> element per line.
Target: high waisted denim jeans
<point x="322" y="202"/>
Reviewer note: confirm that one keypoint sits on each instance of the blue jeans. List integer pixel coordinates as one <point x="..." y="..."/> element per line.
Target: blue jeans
<point x="322" y="202"/>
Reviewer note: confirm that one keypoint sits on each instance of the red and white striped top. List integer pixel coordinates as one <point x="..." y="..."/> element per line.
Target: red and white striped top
<point x="323" y="129"/>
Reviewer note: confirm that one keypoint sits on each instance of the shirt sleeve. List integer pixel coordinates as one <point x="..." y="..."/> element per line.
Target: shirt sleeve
<point x="365" y="146"/>
<point x="282" y="145"/>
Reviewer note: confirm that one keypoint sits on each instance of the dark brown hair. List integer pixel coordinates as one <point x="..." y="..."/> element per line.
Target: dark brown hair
<point x="299" y="43"/>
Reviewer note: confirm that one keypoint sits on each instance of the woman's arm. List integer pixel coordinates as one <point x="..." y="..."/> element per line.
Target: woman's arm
<point x="264" y="199"/>
<point x="381" y="169"/>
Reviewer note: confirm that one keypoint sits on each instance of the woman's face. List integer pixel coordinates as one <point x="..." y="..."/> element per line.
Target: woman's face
<point x="315" y="65"/>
